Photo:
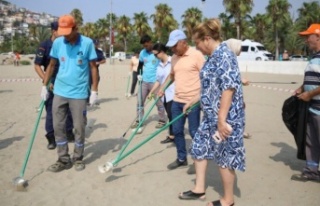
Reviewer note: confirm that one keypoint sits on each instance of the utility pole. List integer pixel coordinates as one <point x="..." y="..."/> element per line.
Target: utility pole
<point x="110" y="33"/>
<point x="12" y="34"/>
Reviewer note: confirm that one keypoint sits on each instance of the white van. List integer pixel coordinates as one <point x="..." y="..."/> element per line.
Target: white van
<point x="119" y="55"/>
<point x="254" y="51"/>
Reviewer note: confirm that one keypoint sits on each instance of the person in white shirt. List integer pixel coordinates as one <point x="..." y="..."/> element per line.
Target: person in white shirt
<point x="163" y="70"/>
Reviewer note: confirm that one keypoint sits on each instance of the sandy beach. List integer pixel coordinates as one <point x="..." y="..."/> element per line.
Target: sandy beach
<point x="142" y="178"/>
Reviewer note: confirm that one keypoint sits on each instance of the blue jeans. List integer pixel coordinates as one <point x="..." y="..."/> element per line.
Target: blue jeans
<point x="49" y="119"/>
<point x="178" y="127"/>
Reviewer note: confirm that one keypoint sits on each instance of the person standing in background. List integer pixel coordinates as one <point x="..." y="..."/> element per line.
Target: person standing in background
<point x="101" y="59"/>
<point x="42" y="59"/>
<point x="147" y="70"/>
<point x="133" y="70"/>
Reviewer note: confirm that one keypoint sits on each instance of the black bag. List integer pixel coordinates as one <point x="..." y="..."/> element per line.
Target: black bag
<point x="294" y="116"/>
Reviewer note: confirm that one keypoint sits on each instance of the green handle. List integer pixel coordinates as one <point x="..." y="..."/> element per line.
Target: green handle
<point x="32" y="139"/>
<point x="121" y="157"/>
<point x="140" y="123"/>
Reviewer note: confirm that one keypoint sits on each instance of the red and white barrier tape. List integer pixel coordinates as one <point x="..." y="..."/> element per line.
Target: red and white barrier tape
<point x="273" y="88"/>
<point x="21" y="80"/>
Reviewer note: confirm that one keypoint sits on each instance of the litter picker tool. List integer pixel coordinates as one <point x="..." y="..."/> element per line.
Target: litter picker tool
<point x="110" y="165"/>
<point x="20" y="182"/>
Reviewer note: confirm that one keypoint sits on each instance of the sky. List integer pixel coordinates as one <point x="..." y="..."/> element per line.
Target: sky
<point x="92" y="10"/>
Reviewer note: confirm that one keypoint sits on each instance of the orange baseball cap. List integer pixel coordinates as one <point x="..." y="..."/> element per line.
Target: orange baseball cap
<point x="313" y="29"/>
<point x="66" y="23"/>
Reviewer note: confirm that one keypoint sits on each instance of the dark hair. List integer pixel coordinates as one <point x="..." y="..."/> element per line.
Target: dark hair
<point x="54" y="26"/>
<point x="160" y="47"/>
<point x="137" y="51"/>
<point x="145" y="38"/>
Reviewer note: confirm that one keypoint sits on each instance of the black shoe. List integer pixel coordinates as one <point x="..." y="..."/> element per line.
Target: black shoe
<point x="189" y="195"/>
<point x="167" y="140"/>
<point x="176" y="164"/>
<point x="59" y="166"/>
<point x="51" y="142"/>
<point x="70" y="136"/>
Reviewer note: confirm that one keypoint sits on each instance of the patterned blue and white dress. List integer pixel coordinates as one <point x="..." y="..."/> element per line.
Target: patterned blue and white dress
<point x="219" y="73"/>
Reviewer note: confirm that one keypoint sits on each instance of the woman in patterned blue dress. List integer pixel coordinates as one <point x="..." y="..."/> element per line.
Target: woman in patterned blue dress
<point x="221" y="99"/>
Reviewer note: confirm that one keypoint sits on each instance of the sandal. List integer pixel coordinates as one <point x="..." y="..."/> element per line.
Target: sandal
<point x="59" y="166"/>
<point x="79" y="165"/>
<point x="218" y="203"/>
<point x="189" y="195"/>
<point x="160" y="124"/>
<point x="304" y="177"/>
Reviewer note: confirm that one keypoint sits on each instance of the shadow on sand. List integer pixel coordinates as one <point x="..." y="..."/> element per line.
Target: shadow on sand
<point x="287" y="155"/>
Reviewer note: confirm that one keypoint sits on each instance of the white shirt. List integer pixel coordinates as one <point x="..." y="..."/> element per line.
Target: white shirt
<point x="163" y="70"/>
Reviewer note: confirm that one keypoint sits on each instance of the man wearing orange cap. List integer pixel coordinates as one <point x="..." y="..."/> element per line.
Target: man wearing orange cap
<point x="77" y="57"/>
<point x="310" y="92"/>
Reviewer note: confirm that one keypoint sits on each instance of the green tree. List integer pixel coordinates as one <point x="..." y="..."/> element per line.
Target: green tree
<point x="226" y="26"/>
<point x="88" y="30"/>
<point x="308" y="14"/>
<point x="191" y="18"/>
<point x="140" y="24"/>
<point x="102" y="31"/>
<point x="77" y="14"/>
<point x="260" y="25"/>
<point x="123" y="28"/>
<point x="278" y="12"/>
<point x="239" y="10"/>
<point x="164" y="22"/>
<point x="42" y="33"/>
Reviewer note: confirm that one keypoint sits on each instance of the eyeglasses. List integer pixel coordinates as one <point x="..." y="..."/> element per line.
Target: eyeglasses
<point x="156" y="54"/>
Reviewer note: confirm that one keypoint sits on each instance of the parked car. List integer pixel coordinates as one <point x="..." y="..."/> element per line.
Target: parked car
<point x="128" y="56"/>
<point x="298" y="57"/>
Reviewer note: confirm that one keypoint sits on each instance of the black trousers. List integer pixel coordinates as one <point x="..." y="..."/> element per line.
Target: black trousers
<point x="134" y="82"/>
<point x="167" y="106"/>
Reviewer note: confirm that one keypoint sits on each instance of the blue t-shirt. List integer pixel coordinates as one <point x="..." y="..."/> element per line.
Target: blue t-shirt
<point x="150" y="64"/>
<point x="72" y="80"/>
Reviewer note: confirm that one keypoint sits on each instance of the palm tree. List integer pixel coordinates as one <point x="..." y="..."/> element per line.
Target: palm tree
<point x="42" y="33"/>
<point x="123" y="27"/>
<point x="164" y="21"/>
<point x="308" y="14"/>
<point x="88" y="30"/>
<point x="239" y="9"/>
<point x="278" y="12"/>
<point x="102" y="31"/>
<point x="141" y="25"/>
<point x="77" y="14"/>
<point x="32" y="31"/>
<point x="259" y="23"/>
<point x="192" y="17"/>
<point x="226" y="26"/>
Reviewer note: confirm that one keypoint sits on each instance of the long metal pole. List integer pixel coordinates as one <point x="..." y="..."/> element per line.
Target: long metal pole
<point x="12" y="40"/>
<point x="110" y="33"/>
